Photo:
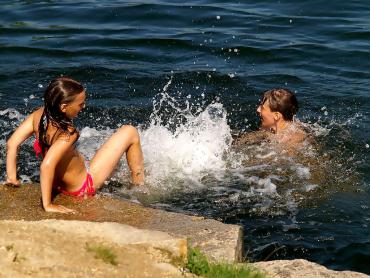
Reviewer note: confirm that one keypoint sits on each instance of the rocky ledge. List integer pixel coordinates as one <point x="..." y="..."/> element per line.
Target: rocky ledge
<point x="217" y="240"/>
<point x="138" y="241"/>
<point x="302" y="269"/>
<point x="59" y="248"/>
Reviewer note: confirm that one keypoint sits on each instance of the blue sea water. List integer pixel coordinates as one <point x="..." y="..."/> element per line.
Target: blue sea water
<point x="132" y="55"/>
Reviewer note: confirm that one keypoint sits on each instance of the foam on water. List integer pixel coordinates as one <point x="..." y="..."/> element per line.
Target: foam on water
<point x="303" y="172"/>
<point x="259" y="185"/>
<point x="188" y="145"/>
<point x="12" y="114"/>
<point x="91" y="139"/>
<point x="191" y="151"/>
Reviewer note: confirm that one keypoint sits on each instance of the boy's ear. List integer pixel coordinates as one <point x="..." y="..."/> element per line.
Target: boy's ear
<point x="63" y="107"/>
<point x="277" y="116"/>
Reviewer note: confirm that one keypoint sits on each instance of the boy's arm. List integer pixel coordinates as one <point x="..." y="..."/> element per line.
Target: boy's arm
<point x="47" y="171"/>
<point x="23" y="132"/>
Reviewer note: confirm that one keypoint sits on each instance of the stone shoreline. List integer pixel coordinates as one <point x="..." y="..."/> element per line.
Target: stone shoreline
<point x="60" y="248"/>
<point x="216" y="240"/>
<point x="164" y="232"/>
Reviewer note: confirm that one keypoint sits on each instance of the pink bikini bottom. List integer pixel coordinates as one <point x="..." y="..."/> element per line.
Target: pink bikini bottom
<point x="86" y="189"/>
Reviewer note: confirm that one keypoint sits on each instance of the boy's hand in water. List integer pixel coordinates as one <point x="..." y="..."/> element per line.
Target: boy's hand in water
<point x="12" y="182"/>
<point x="59" y="208"/>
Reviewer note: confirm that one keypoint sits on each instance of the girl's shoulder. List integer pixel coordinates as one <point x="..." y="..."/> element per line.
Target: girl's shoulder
<point x="71" y="135"/>
<point x="36" y="116"/>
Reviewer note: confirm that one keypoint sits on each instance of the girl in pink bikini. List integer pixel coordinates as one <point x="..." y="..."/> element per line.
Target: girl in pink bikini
<point x="63" y="167"/>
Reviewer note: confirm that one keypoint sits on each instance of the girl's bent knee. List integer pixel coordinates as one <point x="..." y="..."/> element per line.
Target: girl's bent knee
<point x="129" y="128"/>
<point x="131" y="131"/>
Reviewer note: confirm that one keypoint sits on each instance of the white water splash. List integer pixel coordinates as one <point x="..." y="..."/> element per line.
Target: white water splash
<point x="12" y="114"/>
<point x="193" y="149"/>
<point x="259" y="185"/>
<point x="91" y="139"/>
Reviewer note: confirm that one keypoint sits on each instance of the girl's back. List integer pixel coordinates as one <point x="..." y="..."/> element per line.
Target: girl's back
<point x="70" y="170"/>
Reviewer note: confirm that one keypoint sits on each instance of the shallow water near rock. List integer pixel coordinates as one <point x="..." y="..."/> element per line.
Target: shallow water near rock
<point x="190" y="77"/>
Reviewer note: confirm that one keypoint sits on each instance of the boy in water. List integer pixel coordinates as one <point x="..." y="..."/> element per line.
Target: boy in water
<point x="277" y="110"/>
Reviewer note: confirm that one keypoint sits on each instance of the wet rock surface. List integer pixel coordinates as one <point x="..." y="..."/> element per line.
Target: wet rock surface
<point x="57" y="248"/>
<point x="302" y="269"/>
<point x="25" y="252"/>
<point x="217" y="240"/>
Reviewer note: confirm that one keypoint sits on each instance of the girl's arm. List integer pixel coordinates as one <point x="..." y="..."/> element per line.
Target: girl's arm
<point x="47" y="171"/>
<point x="23" y="132"/>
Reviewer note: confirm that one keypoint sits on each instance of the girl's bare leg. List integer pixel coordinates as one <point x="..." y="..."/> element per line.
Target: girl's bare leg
<point x="125" y="139"/>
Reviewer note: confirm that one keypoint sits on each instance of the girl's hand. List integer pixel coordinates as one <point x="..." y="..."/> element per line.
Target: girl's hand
<point x="58" y="208"/>
<point x="12" y="182"/>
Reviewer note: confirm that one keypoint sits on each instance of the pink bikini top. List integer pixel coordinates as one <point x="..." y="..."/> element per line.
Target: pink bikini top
<point x="37" y="148"/>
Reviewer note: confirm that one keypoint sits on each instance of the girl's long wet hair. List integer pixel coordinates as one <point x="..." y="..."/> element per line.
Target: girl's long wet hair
<point x="60" y="91"/>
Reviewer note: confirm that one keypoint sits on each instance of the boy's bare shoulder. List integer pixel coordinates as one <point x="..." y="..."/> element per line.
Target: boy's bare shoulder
<point x="293" y="141"/>
<point x="298" y="136"/>
<point x="293" y="137"/>
<point x="250" y="138"/>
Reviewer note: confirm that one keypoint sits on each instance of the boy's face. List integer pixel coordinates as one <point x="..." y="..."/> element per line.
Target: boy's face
<point x="268" y="118"/>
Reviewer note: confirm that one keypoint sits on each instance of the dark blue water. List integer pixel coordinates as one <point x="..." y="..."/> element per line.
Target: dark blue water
<point x="125" y="52"/>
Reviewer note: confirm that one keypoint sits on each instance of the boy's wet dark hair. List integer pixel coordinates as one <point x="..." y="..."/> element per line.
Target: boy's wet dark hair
<point x="283" y="101"/>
